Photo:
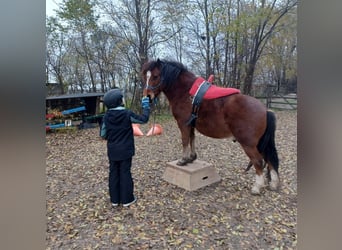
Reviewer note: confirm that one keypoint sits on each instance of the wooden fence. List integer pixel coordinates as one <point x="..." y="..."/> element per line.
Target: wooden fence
<point x="279" y="101"/>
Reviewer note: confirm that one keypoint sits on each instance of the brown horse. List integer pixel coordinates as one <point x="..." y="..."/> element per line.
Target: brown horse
<point x="240" y="116"/>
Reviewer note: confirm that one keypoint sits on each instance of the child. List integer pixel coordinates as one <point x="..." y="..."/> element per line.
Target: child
<point x="117" y="130"/>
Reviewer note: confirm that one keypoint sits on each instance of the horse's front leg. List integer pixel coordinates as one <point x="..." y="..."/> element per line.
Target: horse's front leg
<point x="189" y="154"/>
<point x="193" y="155"/>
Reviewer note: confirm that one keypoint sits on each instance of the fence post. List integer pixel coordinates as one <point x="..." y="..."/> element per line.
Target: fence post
<point x="268" y="96"/>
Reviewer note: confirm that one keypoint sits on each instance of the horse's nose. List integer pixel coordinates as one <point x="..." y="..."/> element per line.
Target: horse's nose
<point x="151" y="94"/>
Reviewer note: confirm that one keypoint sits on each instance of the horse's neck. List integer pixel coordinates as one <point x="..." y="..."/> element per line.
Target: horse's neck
<point x="181" y="87"/>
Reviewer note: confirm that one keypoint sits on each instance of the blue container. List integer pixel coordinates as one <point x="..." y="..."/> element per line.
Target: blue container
<point x="74" y="110"/>
<point x="60" y="125"/>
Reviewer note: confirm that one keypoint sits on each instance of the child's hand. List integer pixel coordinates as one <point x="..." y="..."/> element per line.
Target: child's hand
<point x="145" y="102"/>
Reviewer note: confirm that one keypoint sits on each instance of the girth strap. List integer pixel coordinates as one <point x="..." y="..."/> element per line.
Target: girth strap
<point x="196" y="102"/>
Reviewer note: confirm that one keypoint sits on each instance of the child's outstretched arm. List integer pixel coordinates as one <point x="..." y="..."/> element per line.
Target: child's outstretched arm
<point x="145" y="103"/>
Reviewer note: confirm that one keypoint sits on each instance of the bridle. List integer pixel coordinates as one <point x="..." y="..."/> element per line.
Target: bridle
<point x="148" y="87"/>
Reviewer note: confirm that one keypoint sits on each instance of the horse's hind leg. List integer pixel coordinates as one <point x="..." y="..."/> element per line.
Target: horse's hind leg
<point x="273" y="177"/>
<point x="272" y="166"/>
<point x="257" y="160"/>
<point x="250" y="164"/>
<point x="269" y="151"/>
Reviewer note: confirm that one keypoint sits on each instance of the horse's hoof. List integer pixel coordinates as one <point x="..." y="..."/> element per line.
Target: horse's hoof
<point x="256" y="189"/>
<point x="273" y="186"/>
<point x="182" y="162"/>
<point x="274" y="183"/>
<point x="192" y="158"/>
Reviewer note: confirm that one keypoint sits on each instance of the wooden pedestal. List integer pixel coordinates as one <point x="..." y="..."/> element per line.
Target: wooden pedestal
<point x="191" y="176"/>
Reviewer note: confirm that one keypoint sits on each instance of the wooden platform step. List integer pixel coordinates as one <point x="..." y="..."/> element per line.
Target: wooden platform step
<point x="192" y="176"/>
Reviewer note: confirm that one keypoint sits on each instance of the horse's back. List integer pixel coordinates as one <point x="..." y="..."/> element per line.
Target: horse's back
<point x="244" y="107"/>
<point x="241" y="116"/>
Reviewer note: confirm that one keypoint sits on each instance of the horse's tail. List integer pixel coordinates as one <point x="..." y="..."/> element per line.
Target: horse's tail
<point x="266" y="145"/>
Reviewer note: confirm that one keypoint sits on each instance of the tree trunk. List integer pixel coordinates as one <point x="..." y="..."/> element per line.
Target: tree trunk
<point x="60" y="83"/>
<point x="247" y="85"/>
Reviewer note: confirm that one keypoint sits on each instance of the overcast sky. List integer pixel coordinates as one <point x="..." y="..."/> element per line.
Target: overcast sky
<point x="50" y="6"/>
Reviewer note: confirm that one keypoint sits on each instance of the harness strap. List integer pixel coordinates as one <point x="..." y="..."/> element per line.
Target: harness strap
<point x="196" y="102"/>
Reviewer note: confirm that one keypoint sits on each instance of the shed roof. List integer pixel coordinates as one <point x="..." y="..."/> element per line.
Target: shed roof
<point x="78" y="95"/>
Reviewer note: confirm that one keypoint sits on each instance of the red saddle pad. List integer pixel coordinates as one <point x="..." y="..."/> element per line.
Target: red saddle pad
<point x="213" y="91"/>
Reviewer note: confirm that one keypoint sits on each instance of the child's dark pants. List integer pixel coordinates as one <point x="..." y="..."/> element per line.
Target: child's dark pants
<point x="121" y="185"/>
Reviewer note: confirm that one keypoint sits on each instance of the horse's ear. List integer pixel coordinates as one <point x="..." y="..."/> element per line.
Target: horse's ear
<point x="159" y="62"/>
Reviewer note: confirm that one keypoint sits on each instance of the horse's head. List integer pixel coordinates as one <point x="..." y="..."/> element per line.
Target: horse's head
<point x="152" y="78"/>
<point x="160" y="75"/>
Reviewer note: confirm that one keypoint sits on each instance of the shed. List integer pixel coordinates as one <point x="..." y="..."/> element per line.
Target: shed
<point x="92" y="102"/>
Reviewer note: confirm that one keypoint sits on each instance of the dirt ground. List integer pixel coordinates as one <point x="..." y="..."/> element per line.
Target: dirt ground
<point x="223" y="215"/>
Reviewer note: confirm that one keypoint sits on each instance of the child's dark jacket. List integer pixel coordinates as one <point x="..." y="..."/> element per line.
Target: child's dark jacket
<point x="117" y="130"/>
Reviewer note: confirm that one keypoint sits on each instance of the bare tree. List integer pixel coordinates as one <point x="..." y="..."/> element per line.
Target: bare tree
<point x="81" y="19"/>
<point x="239" y="41"/>
<point x="266" y="16"/>
<point x="56" y="51"/>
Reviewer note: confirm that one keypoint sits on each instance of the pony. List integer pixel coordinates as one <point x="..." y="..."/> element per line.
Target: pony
<point x="240" y="116"/>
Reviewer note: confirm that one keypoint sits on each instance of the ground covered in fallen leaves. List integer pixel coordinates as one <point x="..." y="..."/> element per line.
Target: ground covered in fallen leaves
<point x="223" y="215"/>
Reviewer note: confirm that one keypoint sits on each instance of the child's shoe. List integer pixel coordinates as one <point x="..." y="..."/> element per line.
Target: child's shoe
<point x="130" y="203"/>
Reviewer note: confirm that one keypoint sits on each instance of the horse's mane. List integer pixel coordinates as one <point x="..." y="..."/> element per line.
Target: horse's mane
<point x="170" y="70"/>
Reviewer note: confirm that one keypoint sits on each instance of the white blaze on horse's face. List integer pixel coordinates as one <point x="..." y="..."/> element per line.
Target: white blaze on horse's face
<point x="148" y="76"/>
